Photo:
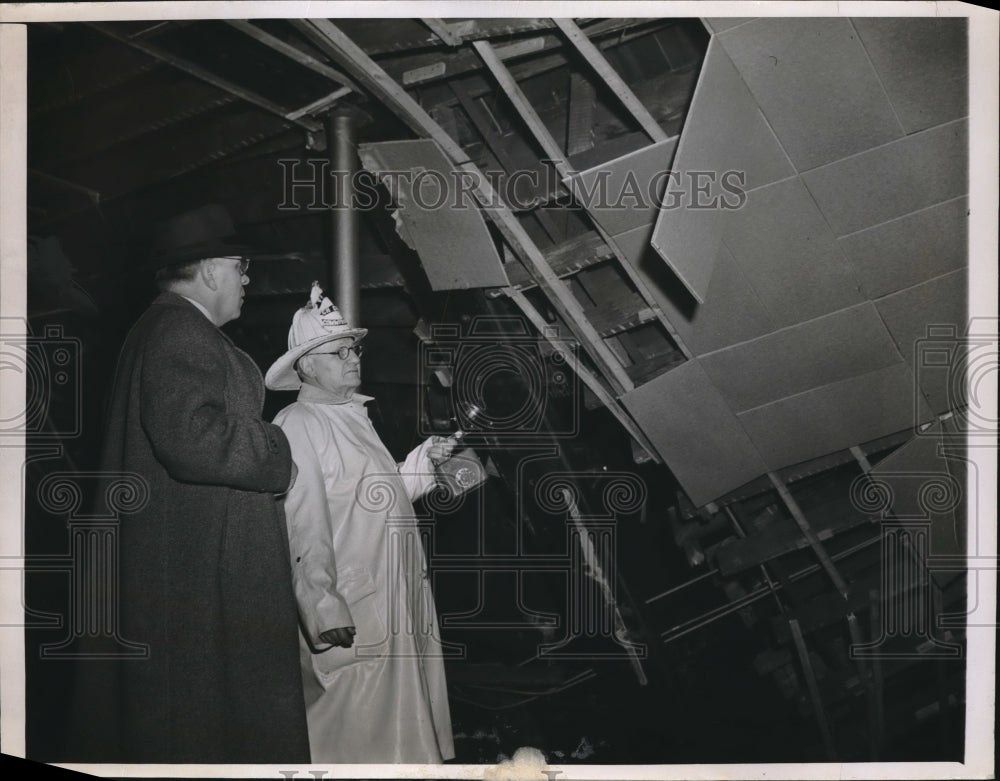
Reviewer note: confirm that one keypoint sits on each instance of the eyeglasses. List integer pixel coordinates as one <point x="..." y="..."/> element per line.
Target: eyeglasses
<point x="343" y="352"/>
<point x="242" y="264"/>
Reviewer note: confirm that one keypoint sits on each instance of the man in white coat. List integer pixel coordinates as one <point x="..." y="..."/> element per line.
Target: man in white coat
<point x="372" y="662"/>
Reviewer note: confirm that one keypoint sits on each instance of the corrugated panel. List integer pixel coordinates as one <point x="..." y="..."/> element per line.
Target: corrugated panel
<point x="444" y="224"/>
<point x="625" y="193"/>
<point x="788" y="254"/>
<point x="731" y="313"/>
<point x="695" y="432"/>
<point x="835" y="416"/>
<point x="911" y="249"/>
<point x="815" y="85"/>
<point x="724" y="132"/>
<point x="923" y="64"/>
<point x="893" y="180"/>
<point x="937" y="358"/>
<point x="828" y="349"/>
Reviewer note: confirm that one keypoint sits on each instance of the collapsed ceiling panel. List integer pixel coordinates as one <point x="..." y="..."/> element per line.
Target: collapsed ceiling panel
<point x="911" y="249"/>
<point x="724" y="132"/>
<point x="695" y="432"/>
<point x="625" y="193"/>
<point x="440" y="219"/>
<point x="835" y="416"/>
<point x="892" y="180"/>
<point x="835" y="347"/>
<point x="789" y="255"/>
<point x="815" y="85"/>
<point x="923" y="66"/>
<point x="732" y="312"/>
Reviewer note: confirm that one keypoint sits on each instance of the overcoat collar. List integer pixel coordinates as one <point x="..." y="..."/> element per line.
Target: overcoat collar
<point x="318" y="395"/>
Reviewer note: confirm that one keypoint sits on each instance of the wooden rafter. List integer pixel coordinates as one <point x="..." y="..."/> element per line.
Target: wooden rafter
<point x="610" y="77"/>
<point x="367" y="72"/>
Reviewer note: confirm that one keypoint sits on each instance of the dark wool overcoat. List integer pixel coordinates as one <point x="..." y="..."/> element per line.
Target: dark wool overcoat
<point x="205" y="577"/>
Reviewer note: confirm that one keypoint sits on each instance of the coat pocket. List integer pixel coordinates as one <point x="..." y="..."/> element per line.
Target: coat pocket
<point x="358" y="588"/>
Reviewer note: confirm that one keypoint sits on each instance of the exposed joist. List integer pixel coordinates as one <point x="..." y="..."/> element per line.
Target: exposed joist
<point x="200" y="72"/>
<point x="440" y="28"/>
<point x="292" y="52"/>
<point x="589" y="380"/>
<point x="415" y="69"/>
<point x="558" y="158"/>
<point x="610" y="77"/>
<point x="809" y="534"/>
<point x="368" y="73"/>
<point x="523" y="107"/>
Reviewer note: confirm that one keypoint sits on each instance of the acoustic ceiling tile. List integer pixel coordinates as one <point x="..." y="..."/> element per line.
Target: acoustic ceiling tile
<point x="835" y="416"/>
<point x="923" y="63"/>
<point x="809" y="355"/>
<point x="905" y="176"/>
<point x="911" y="249"/>
<point x="442" y="223"/>
<point x="731" y="313"/>
<point x="626" y="192"/>
<point x="928" y="323"/>
<point x="695" y="432"/>
<point x="815" y="85"/>
<point x="726" y="147"/>
<point x="721" y="25"/>
<point x="788" y="254"/>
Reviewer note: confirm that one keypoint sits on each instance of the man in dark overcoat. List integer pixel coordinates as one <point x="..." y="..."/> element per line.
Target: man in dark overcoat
<point x="205" y="578"/>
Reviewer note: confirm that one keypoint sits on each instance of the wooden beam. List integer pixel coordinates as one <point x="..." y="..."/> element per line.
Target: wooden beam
<point x="200" y="72"/>
<point x="524" y="108"/>
<point x="475" y="113"/>
<point x="817" y="702"/>
<point x="368" y="73"/>
<point x="440" y="28"/>
<point x="610" y="77"/>
<point x="810" y="535"/>
<point x="565" y="169"/>
<point x="292" y="52"/>
<point x="589" y="379"/>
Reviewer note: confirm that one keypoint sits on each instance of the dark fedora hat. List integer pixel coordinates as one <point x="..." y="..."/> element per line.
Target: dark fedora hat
<point x="205" y="232"/>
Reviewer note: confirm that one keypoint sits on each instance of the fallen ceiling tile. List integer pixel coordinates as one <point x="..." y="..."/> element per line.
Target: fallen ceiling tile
<point x="726" y="147"/>
<point x="441" y="219"/>
<point x="731" y="313"/>
<point x="695" y="432"/>
<point x="625" y="193"/>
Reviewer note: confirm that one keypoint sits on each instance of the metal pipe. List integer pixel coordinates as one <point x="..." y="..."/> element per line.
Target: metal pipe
<point x="342" y="145"/>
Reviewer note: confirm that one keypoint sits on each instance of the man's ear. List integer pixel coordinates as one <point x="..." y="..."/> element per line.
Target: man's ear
<point x="207" y="273"/>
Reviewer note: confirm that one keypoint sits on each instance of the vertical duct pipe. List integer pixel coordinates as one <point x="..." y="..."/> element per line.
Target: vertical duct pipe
<point x="342" y="126"/>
